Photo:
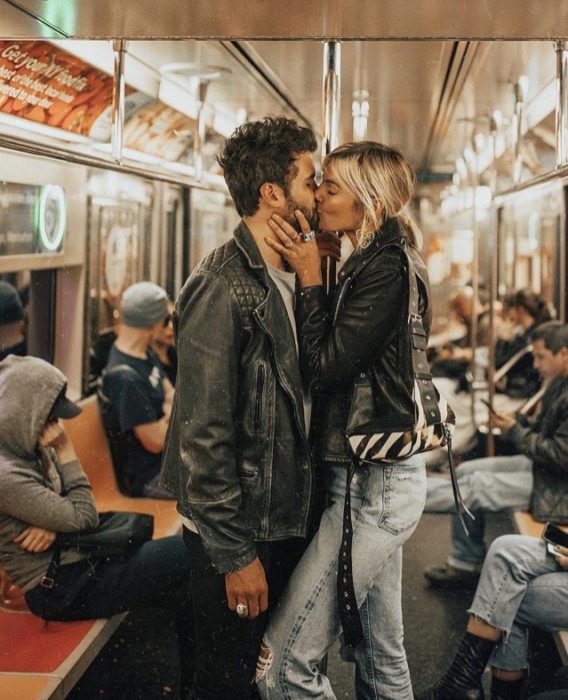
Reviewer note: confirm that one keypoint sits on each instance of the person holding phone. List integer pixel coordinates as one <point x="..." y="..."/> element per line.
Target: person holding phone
<point x="522" y="585"/>
<point x="535" y="478"/>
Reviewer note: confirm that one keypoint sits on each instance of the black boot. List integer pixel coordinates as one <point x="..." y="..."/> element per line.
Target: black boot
<point x="506" y="690"/>
<point x="462" y="681"/>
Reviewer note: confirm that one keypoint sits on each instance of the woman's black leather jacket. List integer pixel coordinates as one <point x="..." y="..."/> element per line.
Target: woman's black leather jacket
<point x="360" y="335"/>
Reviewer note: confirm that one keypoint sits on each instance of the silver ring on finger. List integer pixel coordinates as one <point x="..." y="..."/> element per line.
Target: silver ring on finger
<point x="308" y="236"/>
<point x="242" y="610"/>
<point x="288" y="244"/>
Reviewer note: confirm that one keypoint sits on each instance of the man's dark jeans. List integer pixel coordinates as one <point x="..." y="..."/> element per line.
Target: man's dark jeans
<point x="226" y="647"/>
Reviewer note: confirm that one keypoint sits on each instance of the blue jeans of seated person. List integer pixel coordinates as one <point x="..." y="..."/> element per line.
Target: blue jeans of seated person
<point x="521" y="585"/>
<point x="487" y="485"/>
<point x="386" y="504"/>
<point x="156" y="575"/>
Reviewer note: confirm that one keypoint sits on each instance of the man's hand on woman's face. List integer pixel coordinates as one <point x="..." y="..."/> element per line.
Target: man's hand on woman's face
<point x="329" y="244"/>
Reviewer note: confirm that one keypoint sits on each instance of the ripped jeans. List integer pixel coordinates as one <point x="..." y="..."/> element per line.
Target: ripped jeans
<point x="521" y="585"/>
<point x="386" y="504"/>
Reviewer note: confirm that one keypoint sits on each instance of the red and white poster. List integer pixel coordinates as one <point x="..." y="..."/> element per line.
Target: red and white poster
<point x="43" y="83"/>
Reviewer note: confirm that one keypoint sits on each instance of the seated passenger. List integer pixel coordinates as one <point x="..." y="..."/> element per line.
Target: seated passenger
<point x="44" y="491"/>
<point x="526" y="310"/>
<point x="536" y="477"/>
<point x="98" y="358"/>
<point x="529" y="310"/>
<point x="136" y="394"/>
<point x="521" y="585"/>
<point x="12" y="324"/>
<point x="163" y="345"/>
<point x="453" y="359"/>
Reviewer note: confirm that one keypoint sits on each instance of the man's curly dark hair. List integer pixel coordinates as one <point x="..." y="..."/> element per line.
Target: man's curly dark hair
<point x="259" y="152"/>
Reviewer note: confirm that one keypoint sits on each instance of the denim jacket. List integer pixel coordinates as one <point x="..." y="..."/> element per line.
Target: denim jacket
<point x="237" y="454"/>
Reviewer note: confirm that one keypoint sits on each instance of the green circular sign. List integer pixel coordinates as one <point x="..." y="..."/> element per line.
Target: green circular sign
<point x="52" y="217"/>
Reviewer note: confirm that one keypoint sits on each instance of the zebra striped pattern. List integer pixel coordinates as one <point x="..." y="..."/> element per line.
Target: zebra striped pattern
<point x="393" y="446"/>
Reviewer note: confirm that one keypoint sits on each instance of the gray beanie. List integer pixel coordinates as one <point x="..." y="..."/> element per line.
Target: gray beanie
<point x="143" y="305"/>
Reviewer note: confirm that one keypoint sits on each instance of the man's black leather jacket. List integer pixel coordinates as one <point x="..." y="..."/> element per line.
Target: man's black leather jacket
<point x="360" y="336"/>
<point x="545" y="441"/>
<point x="237" y="454"/>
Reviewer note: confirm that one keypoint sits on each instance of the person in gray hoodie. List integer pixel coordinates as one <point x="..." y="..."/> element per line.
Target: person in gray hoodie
<point x="44" y="491"/>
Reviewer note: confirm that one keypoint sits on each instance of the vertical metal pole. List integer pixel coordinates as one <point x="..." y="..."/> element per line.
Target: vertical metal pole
<point x="331" y="95"/>
<point x="119" y="46"/>
<point x="561" y="103"/>
<point x="473" y="168"/>
<point x="199" y="134"/>
<point x="493" y="245"/>
<point x="331" y="109"/>
<point x="520" y="90"/>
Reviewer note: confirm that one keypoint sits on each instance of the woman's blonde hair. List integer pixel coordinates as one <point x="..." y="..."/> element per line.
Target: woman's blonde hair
<point x="375" y="174"/>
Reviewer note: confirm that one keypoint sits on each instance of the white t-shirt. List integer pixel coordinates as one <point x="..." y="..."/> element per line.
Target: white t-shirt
<point x="286" y="284"/>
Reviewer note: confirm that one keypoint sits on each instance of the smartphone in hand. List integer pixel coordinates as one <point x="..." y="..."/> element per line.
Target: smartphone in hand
<point x="553" y="536"/>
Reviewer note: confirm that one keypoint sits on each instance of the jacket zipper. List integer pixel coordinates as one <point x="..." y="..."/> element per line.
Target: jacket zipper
<point x="260" y="374"/>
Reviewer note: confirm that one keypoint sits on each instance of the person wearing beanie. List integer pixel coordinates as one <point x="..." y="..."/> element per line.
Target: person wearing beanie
<point x="12" y="338"/>
<point x="136" y="395"/>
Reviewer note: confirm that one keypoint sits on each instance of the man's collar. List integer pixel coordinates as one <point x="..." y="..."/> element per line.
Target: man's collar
<point x="246" y="243"/>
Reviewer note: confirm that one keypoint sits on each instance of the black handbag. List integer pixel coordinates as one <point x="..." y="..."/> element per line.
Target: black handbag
<point x="118" y="534"/>
<point x="374" y="445"/>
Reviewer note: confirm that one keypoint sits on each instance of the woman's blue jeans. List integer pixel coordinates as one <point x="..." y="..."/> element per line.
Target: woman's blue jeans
<point x="386" y="504"/>
<point x="521" y="585"/>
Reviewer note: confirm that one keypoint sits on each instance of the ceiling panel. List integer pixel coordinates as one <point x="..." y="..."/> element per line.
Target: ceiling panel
<point x="491" y="87"/>
<point x="246" y="19"/>
<point x="402" y="79"/>
<point x="407" y="81"/>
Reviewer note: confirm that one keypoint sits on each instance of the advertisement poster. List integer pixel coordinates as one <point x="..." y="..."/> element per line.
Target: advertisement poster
<point x="160" y="131"/>
<point x="43" y="83"/>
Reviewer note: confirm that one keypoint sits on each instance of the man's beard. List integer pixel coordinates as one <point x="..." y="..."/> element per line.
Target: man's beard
<point x="290" y="217"/>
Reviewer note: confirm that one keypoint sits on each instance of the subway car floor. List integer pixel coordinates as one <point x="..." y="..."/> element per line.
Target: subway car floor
<point x="139" y="662"/>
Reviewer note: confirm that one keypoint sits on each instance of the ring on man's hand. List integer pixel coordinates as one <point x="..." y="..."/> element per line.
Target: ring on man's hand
<point x="288" y="244"/>
<point x="308" y="236"/>
<point x="242" y="610"/>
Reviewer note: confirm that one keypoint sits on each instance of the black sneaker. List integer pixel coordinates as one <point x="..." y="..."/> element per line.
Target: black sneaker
<point x="447" y="576"/>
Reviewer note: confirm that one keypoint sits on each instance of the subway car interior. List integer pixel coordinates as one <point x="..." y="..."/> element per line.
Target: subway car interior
<point x="112" y="115"/>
